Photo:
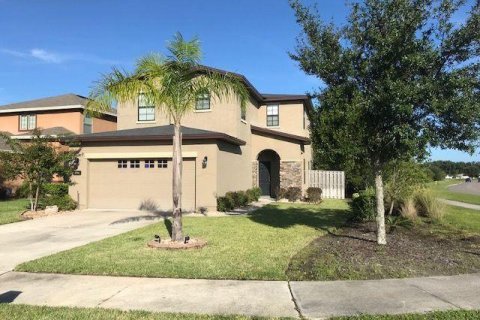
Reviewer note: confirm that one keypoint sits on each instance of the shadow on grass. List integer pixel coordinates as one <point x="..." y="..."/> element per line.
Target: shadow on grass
<point x="314" y="217"/>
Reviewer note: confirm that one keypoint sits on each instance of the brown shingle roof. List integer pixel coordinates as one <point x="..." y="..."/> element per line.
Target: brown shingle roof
<point x="275" y="133"/>
<point x="158" y="133"/>
<point x="69" y="99"/>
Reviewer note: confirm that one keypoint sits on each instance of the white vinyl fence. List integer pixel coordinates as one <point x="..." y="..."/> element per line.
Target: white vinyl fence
<point x="332" y="183"/>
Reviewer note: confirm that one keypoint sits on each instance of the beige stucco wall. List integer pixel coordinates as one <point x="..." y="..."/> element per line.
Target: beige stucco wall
<point x="234" y="168"/>
<point x="291" y="118"/>
<point x="206" y="178"/>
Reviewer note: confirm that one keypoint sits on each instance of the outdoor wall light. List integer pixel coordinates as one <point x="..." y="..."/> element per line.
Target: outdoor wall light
<point x="204" y="162"/>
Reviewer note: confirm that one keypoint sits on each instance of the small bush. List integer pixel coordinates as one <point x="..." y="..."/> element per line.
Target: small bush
<point x="240" y="199"/>
<point x="293" y="194"/>
<point x="225" y="204"/>
<point x="428" y="205"/>
<point x="408" y="210"/>
<point x="364" y="206"/>
<point x="282" y="193"/>
<point x="253" y="194"/>
<point x="394" y="222"/>
<point x="64" y="203"/>
<point x="314" y="195"/>
<point x="55" y="189"/>
<point x="22" y="191"/>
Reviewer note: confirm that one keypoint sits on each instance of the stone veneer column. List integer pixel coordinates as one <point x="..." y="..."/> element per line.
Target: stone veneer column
<point x="290" y="174"/>
<point x="255" y="173"/>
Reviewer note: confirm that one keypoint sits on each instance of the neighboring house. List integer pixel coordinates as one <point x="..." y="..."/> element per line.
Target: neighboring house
<point x="53" y="116"/>
<point x="57" y="115"/>
<point x="224" y="149"/>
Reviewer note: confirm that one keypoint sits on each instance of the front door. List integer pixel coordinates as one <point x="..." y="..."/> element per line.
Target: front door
<point x="264" y="177"/>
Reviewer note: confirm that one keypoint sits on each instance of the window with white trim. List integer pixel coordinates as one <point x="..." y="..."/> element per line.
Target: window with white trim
<point x="122" y="164"/>
<point x="203" y="102"/>
<point x="134" y="164"/>
<point x="27" y="122"/>
<point x="146" y="109"/>
<point x="163" y="163"/>
<point x="149" y="164"/>
<point x="272" y="115"/>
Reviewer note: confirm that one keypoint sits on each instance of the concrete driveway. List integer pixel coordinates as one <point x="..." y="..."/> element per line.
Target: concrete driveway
<point x="32" y="239"/>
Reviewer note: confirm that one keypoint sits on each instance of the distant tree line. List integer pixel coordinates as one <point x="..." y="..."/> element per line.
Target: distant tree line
<point x="471" y="169"/>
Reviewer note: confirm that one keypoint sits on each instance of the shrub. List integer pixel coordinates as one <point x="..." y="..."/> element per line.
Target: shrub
<point x="408" y="210"/>
<point x="394" y="222"/>
<point x="314" y="194"/>
<point x="282" y="193"/>
<point x="225" y="204"/>
<point x="55" y="189"/>
<point x="293" y="194"/>
<point x="240" y="199"/>
<point x="428" y="205"/>
<point x="363" y="206"/>
<point x="253" y="194"/>
<point x="64" y="203"/>
<point x="22" y="190"/>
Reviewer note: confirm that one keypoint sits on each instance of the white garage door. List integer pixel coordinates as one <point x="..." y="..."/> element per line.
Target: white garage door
<point x="129" y="184"/>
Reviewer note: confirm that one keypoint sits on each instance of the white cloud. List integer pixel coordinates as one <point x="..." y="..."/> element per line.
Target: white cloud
<point x="43" y="55"/>
<point x="54" y="57"/>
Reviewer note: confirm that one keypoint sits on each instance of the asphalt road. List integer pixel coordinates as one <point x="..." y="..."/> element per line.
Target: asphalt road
<point x="470" y="188"/>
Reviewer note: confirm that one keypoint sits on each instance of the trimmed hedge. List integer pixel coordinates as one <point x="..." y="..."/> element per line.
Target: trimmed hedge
<point x="237" y="199"/>
<point x="64" y="203"/>
<point x="314" y="194"/>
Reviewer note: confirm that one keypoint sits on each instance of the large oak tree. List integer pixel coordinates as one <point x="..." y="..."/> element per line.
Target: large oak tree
<point x="399" y="77"/>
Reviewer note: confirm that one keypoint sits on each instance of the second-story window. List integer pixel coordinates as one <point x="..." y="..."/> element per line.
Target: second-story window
<point x="28" y="122"/>
<point x="272" y="115"/>
<point x="203" y="102"/>
<point x="146" y="109"/>
<point x="87" y="124"/>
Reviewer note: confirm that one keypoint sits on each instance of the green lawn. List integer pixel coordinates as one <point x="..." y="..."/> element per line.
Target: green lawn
<point x="463" y="219"/>
<point x="439" y="315"/>
<point x="440" y="189"/>
<point x="239" y="247"/>
<point x="10" y="210"/>
<point x="25" y="312"/>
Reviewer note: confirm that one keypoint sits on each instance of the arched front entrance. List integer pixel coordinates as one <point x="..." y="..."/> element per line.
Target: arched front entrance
<point x="269" y="172"/>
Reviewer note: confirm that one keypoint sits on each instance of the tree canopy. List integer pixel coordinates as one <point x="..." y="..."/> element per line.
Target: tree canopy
<point x="399" y="77"/>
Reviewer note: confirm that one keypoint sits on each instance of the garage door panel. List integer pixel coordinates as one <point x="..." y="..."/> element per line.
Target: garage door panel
<point x="111" y="187"/>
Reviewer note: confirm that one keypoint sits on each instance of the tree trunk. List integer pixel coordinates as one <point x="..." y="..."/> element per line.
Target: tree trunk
<point x="30" y="196"/>
<point x="381" y="234"/>
<point x="37" y="193"/>
<point x="177" y="228"/>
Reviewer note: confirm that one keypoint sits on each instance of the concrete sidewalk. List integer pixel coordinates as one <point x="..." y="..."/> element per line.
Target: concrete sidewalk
<point x="315" y="300"/>
<point x="461" y="204"/>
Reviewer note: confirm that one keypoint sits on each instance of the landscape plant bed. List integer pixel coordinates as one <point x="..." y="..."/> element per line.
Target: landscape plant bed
<point x="168" y="244"/>
<point x="353" y="254"/>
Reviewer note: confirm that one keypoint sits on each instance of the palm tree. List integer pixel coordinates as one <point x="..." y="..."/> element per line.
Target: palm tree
<point x="173" y="84"/>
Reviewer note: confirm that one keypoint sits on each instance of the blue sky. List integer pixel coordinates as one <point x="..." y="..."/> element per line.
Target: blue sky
<point x="51" y="47"/>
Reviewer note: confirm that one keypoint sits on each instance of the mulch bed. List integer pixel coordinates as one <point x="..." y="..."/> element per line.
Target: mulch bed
<point x="171" y="245"/>
<point x="352" y="254"/>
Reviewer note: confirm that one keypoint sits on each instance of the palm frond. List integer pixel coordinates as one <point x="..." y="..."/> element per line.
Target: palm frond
<point x="184" y="52"/>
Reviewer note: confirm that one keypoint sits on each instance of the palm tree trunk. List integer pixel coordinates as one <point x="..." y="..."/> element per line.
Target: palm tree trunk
<point x="177" y="228"/>
<point x="381" y="234"/>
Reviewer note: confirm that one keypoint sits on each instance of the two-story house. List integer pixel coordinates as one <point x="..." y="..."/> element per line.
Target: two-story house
<point x="224" y="149"/>
<point x="54" y="116"/>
